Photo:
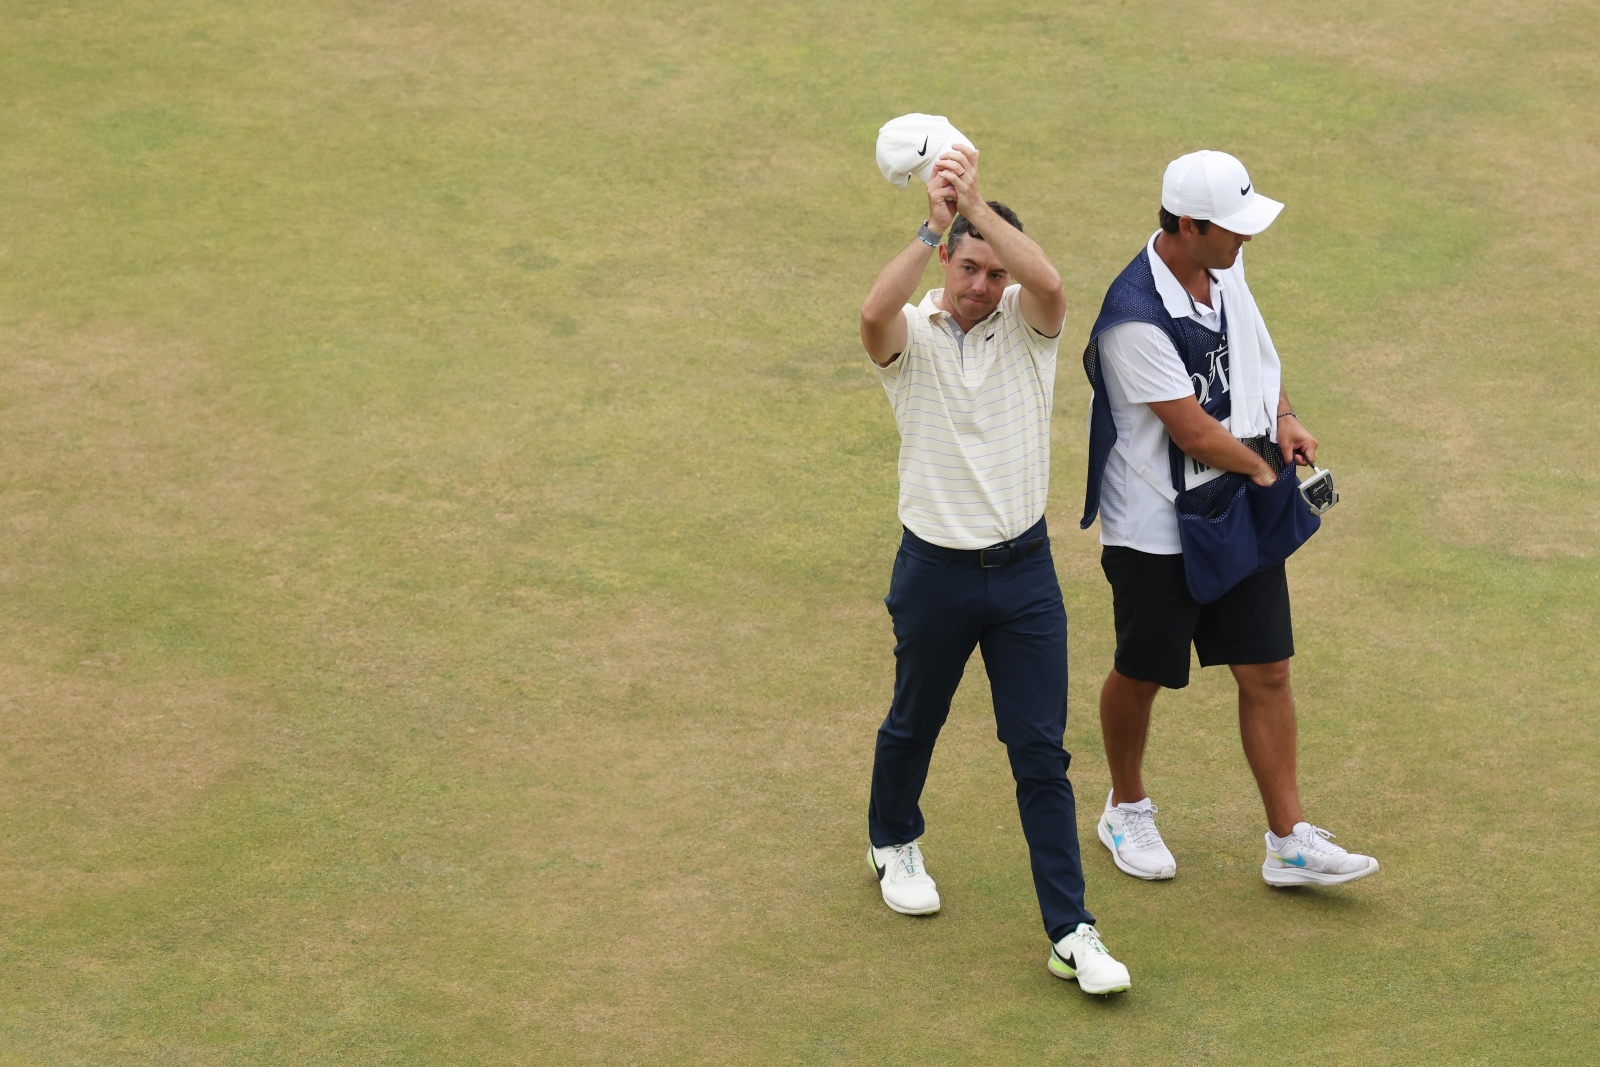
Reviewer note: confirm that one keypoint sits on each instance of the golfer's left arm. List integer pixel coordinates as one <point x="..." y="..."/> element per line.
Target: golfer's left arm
<point x="1294" y="440"/>
<point x="1044" y="302"/>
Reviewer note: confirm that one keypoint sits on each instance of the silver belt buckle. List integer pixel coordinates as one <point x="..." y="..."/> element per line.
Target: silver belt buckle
<point x="983" y="556"/>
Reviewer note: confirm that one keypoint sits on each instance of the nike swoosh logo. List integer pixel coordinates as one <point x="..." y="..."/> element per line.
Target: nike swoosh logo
<point x="881" y="870"/>
<point x="1246" y="190"/>
<point x="924" y="149"/>
<point x="1298" y="861"/>
<point x="1116" y="838"/>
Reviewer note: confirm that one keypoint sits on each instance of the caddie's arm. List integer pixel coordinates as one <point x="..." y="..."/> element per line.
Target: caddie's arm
<point x="1294" y="440"/>
<point x="1044" y="302"/>
<point x="1207" y="440"/>
<point x="883" y="321"/>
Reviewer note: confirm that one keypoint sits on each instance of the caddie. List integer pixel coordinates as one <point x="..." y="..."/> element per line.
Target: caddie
<point x="970" y="375"/>
<point x="1188" y="386"/>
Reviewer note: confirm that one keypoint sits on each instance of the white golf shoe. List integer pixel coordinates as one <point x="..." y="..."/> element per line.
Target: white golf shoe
<point x="903" y="879"/>
<point x="1080" y="955"/>
<point x="1129" y="831"/>
<point x="1308" y="857"/>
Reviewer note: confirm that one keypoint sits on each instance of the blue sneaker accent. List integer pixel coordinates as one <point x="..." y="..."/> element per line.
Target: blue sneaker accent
<point x="1116" y="838"/>
<point x="1298" y="861"/>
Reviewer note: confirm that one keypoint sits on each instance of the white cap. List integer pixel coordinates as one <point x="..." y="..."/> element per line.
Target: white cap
<point x="1215" y="186"/>
<point x="910" y="144"/>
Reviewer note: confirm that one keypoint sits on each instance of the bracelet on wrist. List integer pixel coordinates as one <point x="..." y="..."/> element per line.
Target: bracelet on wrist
<point x="1286" y="414"/>
<point x="929" y="236"/>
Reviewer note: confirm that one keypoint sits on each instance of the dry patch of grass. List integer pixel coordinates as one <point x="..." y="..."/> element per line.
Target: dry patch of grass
<point x="447" y="517"/>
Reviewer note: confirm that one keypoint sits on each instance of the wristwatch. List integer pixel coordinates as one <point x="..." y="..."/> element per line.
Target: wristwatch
<point x="928" y="236"/>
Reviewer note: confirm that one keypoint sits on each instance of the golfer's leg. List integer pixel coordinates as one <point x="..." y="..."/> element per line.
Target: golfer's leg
<point x="1125" y="726"/>
<point x="1266" y="725"/>
<point x="936" y="607"/>
<point x="1025" y="654"/>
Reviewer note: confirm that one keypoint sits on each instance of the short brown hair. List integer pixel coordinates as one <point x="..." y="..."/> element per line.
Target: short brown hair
<point x="962" y="227"/>
<point x="1169" y="222"/>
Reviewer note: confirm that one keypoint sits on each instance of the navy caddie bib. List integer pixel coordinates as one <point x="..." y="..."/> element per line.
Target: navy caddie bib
<point x="1133" y="297"/>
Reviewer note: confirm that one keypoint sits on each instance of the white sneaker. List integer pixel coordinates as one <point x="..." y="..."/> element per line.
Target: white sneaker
<point x="1307" y="857"/>
<point x="1080" y="955"/>
<point x="903" y="879"/>
<point x="1129" y="831"/>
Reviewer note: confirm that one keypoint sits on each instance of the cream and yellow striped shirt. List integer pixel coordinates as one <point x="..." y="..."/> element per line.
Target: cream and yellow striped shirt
<point x="974" y="420"/>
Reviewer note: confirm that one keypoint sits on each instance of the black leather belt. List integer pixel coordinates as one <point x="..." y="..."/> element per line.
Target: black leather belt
<point x="1031" y="540"/>
<point x="1008" y="552"/>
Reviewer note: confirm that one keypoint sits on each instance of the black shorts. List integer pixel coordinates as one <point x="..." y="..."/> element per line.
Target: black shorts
<point x="1157" y="618"/>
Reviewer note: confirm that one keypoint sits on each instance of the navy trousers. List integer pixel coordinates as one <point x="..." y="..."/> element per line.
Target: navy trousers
<point x="944" y="604"/>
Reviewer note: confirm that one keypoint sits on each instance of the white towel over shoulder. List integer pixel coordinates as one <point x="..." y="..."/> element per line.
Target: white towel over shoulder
<point x="1256" y="372"/>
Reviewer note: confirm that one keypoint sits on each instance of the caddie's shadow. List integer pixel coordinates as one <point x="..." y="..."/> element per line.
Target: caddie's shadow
<point x="1337" y="902"/>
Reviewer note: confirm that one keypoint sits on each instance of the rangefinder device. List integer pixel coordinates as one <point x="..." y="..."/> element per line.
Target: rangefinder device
<point x="1318" y="490"/>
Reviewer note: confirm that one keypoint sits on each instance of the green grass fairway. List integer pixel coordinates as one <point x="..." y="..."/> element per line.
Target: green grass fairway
<point x="446" y="514"/>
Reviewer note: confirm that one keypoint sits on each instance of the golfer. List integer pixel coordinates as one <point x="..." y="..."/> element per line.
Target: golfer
<point x="970" y="374"/>
<point x="1180" y="353"/>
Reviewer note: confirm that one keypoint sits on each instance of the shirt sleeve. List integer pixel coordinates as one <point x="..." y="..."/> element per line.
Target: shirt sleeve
<point x="1145" y="363"/>
<point x="1011" y="305"/>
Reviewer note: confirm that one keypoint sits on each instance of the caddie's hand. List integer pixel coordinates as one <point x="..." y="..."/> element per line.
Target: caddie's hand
<point x="1296" y="442"/>
<point x="959" y="166"/>
<point x="1264" y="477"/>
<point x="941" y="203"/>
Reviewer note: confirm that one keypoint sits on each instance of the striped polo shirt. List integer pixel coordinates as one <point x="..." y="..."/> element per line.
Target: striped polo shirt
<point x="974" y="418"/>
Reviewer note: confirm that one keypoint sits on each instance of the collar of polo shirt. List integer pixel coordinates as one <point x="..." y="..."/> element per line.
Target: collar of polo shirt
<point x="1177" y="300"/>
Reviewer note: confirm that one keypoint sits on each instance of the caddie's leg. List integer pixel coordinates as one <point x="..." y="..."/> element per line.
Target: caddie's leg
<point x="1251" y="629"/>
<point x="1125" y="726"/>
<point x="936" y="604"/>
<point x="1025" y="654"/>
<point x="1267" y="728"/>
<point x="1155" y="619"/>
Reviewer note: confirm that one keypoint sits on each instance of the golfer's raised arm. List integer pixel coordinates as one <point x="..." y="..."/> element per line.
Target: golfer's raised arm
<point x="1044" y="303"/>
<point x="883" y="321"/>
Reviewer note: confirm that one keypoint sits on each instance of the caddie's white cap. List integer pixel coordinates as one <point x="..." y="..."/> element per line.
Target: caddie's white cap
<point x="910" y="144"/>
<point x="1215" y="186"/>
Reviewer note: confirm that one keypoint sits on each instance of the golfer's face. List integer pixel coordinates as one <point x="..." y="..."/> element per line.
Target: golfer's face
<point x="974" y="280"/>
